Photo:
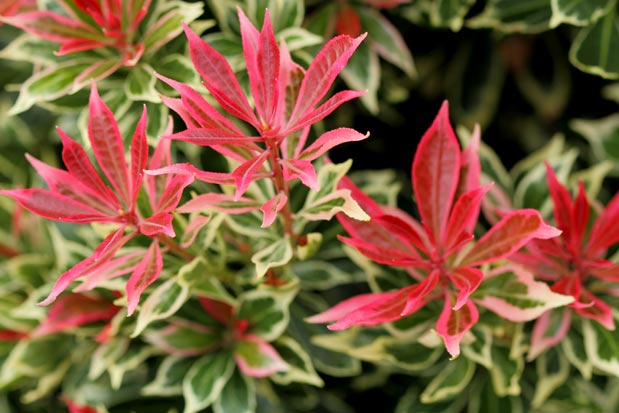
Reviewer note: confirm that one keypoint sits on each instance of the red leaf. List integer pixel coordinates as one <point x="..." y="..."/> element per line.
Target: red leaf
<point x="145" y="273"/>
<point x="322" y="72"/>
<point x="436" y="168"/>
<point x="78" y="45"/>
<point x="172" y="193"/>
<point x="464" y="215"/>
<point x="453" y="324"/>
<point x="160" y="223"/>
<point x="383" y="308"/>
<point x="52" y="26"/>
<point x="56" y="207"/>
<point x="74" y="310"/>
<point x="386" y="254"/>
<point x="418" y="296"/>
<point x="219" y="310"/>
<point x="260" y="359"/>
<point x="322" y="111"/>
<point x="562" y="203"/>
<point x="605" y="230"/>
<point x="347" y="21"/>
<point x="211" y="137"/>
<point x="580" y="216"/>
<point x="548" y="331"/>
<point x="219" y="78"/>
<point x="199" y="109"/>
<point x="77" y="408"/>
<point x="107" y="145"/>
<point x="507" y="236"/>
<point x="139" y="157"/>
<point x="79" y="166"/>
<point x="470" y="169"/>
<point x="63" y="183"/>
<point x="102" y="254"/>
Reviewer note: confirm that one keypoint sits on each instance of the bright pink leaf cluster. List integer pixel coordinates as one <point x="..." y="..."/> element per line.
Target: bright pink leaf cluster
<point x="81" y="195"/>
<point x="573" y="259"/>
<point x="439" y="251"/>
<point x="89" y="24"/>
<point x="287" y="100"/>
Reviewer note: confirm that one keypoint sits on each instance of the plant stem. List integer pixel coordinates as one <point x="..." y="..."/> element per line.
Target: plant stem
<point x="281" y="186"/>
<point x="176" y="248"/>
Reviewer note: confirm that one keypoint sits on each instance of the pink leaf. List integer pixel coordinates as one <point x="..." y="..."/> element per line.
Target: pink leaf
<point x="453" y="324"/>
<point x="385" y="254"/>
<point x="562" y="202"/>
<point x="464" y="214"/>
<point x="329" y="140"/>
<point x="322" y="111"/>
<point x="404" y="235"/>
<point x="52" y="26"/>
<point x="580" y="216"/>
<point x="219" y="78"/>
<point x="322" y="72"/>
<point x="102" y="254"/>
<point x="470" y="169"/>
<point x="598" y="311"/>
<point x="63" y="183"/>
<point x="74" y="310"/>
<point x="78" y="45"/>
<point x="383" y="308"/>
<point x="185" y="338"/>
<point x="172" y="193"/>
<point x="257" y="358"/>
<point x="605" y="230"/>
<point x="418" y="297"/>
<point x="271" y="208"/>
<point x="199" y="109"/>
<point x="187" y="169"/>
<point x="436" y="168"/>
<point x="160" y="223"/>
<point x="107" y="145"/>
<point x="79" y="165"/>
<point x="345" y="307"/>
<point x="549" y="330"/>
<point x="244" y="174"/>
<point x="304" y="170"/>
<point x="56" y="207"/>
<point x="507" y="236"/>
<point x="193" y="229"/>
<point x="466" y="281"/>
<point x="145" y="273"/>
<point x="211" y="137"/>
<point x="139" y="156"/>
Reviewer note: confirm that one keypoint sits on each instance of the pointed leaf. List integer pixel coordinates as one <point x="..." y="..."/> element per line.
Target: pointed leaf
<point x="602" y="347"/>
<point x="238" y="395"/>
<point x="52" y="26"/>
<point x="453" y="324"/>
<point x="257" y="358"/>
<point x="107" y="145"/>
<point x="271" y="208"/>
<point x="185" y="338"/>
<point x="206" y="379"/>
<point x="322" y="72"/>
<point x="449" y="382"/>
<point x="465" y="214"/>
<point x="276" y="254"/>
<point x="145" y="273"/>
<point x="219" y="78"/>
<point x="507" y="236"/>
<point x="549" y="330"/>
<point x="244" y="174"/>
<point x="436" y="168"/>
<point x="266" y="311"/>
<point x="329" y="140"/>
<point x="466" y="281"/>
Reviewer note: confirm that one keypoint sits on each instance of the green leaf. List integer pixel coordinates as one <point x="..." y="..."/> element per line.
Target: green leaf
<point x="48" y="84"/>
<point x="602" y="347"/>
<point x="178" y="67"/>
<point x="267" y="311"/>
<point x="579" y="12"/>
<point x="484" y="400"/>
<point x="106" y="355"/>
<point x="133" y="357"/>
<point x="185" y="338"/>
<point x="593" y="49"/>
<point x="386" y="40"/>
<point x="298" y="38"/>
<point x="199" y="276"/>
<point x="206" y="379"/>
<point x="320" y="275"/>
<point x="506" y="371"/>
<point x="573" y="347"/>
<point x="31" y="49"/>
<point x="300" y="367"/>
<point x="449" y="13"/>
<point x="165" y="23"/>
<point x="161" y="303"/>
<point x="311" y="245"/>
<point x="169" y="378"/>
<point x="480" y="350"/>
<point x="237" y="396"/>
<point x="363" y="73"/>
<point x="602" y="135"/>
<point x="553" y="370"/>
<point x="140" y="84"/>
<point x="450" y="381"/>
<point x="524" y="16"/>
<point x="276" y="254"/>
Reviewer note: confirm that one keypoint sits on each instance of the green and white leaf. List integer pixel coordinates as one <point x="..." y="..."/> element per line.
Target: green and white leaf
<point x="579" y="12"/>
<point x="206" y="379"/>
<point x="363" y="73"/>
<point x="277" y="254"/>
<point x="267" y="311"/>
<point x="106" y="355"/>
<point x="506" y="371"/>
<point x="164" y="301"/>
<point x="602" y="135"/>
<point x="593" y="49"/>
<point x="602" y="347"/>
<point x="552" y="369"/>
<point x="140" y="84"/>
<point x="199" y="277"/>
<point x="450" y="381"/>
<point x="135" y="356"/>
<point x="522" y="16"/>
<point x="169" y="378"/>
<point x="237" y="396"/>
<point x="300" y="367"/>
